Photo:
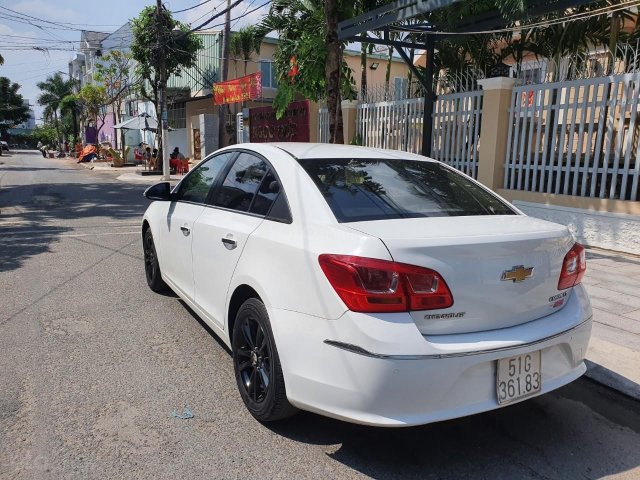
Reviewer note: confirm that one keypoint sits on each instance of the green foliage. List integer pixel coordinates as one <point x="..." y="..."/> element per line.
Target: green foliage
<point x="70" y="103"/>
<point x="47" y="134"/>
<point x="93" y="100"/>
<point x="179" y="49"/>
<point x="302" y="30"/>
<point x="242" y="44"/>
<point x="542" y="36"/>
<point x="113" y="72"/>
<point x="54" y="89"/>
<point x="12" y="108"/>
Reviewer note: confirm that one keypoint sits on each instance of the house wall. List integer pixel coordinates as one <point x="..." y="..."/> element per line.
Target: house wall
<point x="238" y="68"/>
<point x="178" y="138"/>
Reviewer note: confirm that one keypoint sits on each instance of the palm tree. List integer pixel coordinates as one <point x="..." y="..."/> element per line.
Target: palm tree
<point x="54" y="89"/>
<point x="243" y="44"/>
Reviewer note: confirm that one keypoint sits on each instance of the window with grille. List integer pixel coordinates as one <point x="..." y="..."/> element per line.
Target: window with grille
<point x="177" y="114"/>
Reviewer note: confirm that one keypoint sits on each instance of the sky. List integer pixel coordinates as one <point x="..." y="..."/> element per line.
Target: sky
<point x="28" y="66"/>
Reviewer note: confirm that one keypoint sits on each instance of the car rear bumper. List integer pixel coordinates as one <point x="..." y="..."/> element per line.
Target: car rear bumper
<point x="379" y="369"/>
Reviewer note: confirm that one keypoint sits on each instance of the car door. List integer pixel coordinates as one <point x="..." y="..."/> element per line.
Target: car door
<point x="238" y="206"/>
<point x="189" y="200"/>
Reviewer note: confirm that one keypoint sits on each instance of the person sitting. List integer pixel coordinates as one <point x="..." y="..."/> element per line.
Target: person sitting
<point x="147" y="157"/>
<point x="176" y="155"/>
<point x="154" y="159"/>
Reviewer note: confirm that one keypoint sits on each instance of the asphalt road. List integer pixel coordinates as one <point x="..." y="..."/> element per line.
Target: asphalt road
<point x="92" y="364"/>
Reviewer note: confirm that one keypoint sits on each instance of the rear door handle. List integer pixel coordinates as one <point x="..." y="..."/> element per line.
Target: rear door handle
<point x="185" y="231"/>
<point x="229" y="244"/>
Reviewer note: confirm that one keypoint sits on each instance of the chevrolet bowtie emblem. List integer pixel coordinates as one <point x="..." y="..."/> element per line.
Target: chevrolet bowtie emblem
<point x="518" y="273"/>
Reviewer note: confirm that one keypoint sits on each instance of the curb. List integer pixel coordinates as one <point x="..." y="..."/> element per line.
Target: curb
<point x="613" y="380"/>
<point x="131" y="177"/>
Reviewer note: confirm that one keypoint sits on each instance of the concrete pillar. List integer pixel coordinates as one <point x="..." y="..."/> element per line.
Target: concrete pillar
<point x="494" y="130"/>
<point x="208" y="133"/>
<point x="313" y="122"/>
<point x="349" y="126"/>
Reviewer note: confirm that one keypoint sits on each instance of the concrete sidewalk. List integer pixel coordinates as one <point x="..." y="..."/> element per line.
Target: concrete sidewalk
<point x="613" y="282"/>
<point x="127" y="174"/>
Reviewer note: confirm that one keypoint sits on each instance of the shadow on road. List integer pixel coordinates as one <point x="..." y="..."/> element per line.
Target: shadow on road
<point x="582" y="431"/>
<point x="549" y="437"/>
<point x="32" y="217"/>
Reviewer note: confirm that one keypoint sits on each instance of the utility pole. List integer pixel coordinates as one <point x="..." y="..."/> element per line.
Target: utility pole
<point x="225" y="70"/>
<point x="163" y="117"/>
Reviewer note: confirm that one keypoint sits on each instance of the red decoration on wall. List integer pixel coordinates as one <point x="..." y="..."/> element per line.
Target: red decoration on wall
<point x="240" y="89"/>
<point x="292" y="127"/>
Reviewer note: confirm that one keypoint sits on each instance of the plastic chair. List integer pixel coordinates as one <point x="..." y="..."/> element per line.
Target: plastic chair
<point x="182" y="166"/>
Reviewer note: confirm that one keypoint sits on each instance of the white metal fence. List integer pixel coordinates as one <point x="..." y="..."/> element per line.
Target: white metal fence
<point x="576" y="138"/>
<point x="398" y="125"/>
<point x="456" y="130"/>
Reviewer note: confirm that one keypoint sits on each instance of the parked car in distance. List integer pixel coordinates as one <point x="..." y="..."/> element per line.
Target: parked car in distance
<point x="373" y="286"/>
<point x="4" y="145"/>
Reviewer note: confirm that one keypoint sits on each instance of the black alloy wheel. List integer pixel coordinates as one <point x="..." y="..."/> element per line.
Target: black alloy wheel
<point x="151" y="265"/>
<point x="257" y="366"/>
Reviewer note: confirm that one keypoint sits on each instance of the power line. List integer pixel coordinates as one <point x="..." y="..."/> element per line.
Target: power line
<point x="217" y="15"/>
<point x="207" y="13"/>
<point x="244" y="14"/>
<point x="191" y="8"/>
<point x="56" y="23"/>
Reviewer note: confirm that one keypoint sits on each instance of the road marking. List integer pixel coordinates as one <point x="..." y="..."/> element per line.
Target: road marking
<point x="27" y="222"/>
<point x="51" y="228"/>
<point x="53" y="234"/>
<point x="99" y="234"/>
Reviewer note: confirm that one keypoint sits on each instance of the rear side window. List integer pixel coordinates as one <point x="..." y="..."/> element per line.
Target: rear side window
<point x="241" y="183"/>
<point x="360" y="190"/>
<point x="267" y="193"/>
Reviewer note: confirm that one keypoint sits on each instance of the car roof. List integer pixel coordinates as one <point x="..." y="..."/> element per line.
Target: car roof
<point x="330" y="150"/>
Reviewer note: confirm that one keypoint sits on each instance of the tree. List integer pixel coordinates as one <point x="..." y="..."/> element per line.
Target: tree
<point x="54" y="89"/>
<point x="113" y="71"/>
<point x="242" y="45"/>
<point x="94" y="101"/>
<point x="70" y="109"/>
<point x="46" y="134"/>
<point x="302" y="55"/>
<point x="160" y="41"/>
<point x="12" y="107"/>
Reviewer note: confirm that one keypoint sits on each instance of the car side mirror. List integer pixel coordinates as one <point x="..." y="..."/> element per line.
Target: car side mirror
<point x="159" y="191"/>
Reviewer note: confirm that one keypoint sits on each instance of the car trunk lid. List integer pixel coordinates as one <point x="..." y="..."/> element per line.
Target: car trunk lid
<point x="502" y="270"/>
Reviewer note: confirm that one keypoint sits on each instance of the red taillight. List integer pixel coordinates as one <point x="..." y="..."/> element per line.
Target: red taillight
<point x="573" y="267"/>
<point x="371" y="285"/>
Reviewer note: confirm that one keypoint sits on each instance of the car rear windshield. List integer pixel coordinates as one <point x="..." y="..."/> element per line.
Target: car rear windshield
<point x="359" y="190"/>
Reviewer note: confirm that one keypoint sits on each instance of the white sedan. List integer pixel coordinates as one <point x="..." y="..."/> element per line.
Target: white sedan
<point x="373" y="286"/>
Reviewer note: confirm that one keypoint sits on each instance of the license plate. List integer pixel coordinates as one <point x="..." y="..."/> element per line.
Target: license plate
<point x="519" y="377"/>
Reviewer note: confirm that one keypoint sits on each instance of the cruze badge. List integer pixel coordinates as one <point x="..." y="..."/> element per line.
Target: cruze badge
<point x="517" y="274"/>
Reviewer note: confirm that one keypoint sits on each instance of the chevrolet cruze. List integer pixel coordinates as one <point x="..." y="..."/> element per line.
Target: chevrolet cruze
<point x="373" y="286"/>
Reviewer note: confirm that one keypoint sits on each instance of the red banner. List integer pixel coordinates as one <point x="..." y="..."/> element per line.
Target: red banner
<point x="238" y="90"/>
<point x="292" y="127"/>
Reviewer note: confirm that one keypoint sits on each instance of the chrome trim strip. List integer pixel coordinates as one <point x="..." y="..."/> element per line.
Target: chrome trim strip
<point x="361" y="351"/>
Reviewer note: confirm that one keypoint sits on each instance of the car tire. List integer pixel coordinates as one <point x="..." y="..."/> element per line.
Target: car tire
<point x="151" y="265"/>
<point x="257" y="366"/>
